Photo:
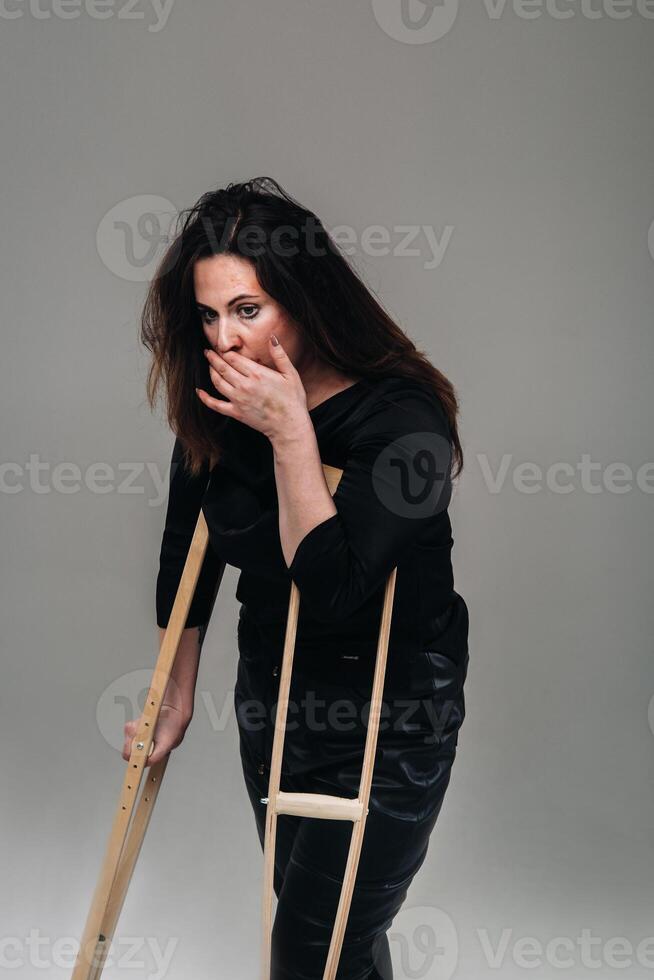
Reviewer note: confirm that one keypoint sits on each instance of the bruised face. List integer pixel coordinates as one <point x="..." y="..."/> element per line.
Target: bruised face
<point x="236" y="313"/>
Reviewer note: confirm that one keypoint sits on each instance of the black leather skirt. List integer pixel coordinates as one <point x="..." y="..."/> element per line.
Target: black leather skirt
<point x="326" y="728"/>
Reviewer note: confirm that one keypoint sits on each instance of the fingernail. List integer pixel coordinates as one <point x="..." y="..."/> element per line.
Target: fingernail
<point x="275" y="342"/>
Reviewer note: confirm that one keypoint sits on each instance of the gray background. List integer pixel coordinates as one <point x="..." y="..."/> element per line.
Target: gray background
<point x="529" y="137"/>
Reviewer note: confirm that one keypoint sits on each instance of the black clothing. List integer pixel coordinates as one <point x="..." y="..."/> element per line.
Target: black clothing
<point x="412" y="772"/>
<point x="341" y="565"/>
<point x="391" y="439"/>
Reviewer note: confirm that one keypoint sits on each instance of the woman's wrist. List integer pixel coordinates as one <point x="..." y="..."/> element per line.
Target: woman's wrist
<point x="185" y="713"/>
<point x="296" y="435"/>
<point x="303" y="495"/>
<point x="179" y="694"/>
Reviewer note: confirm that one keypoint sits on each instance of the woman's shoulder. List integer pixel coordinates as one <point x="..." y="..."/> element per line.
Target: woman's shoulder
<point x="396" y="400"/>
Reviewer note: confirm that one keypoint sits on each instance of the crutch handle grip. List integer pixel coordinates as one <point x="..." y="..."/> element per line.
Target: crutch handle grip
<point x="151" y="746"/>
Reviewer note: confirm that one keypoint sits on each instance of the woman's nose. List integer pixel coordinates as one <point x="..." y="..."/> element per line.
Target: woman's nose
<point x="223" y="338"/>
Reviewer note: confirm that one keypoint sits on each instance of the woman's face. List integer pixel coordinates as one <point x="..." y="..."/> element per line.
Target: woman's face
<point x="237" y="314"/>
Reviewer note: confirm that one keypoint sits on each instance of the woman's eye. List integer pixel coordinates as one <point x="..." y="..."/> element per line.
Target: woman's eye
<point x="249" y="306"/>
<point x="206" y="316"/>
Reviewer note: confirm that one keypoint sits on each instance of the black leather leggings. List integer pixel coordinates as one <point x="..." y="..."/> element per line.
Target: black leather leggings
<point x="415" y="750"/>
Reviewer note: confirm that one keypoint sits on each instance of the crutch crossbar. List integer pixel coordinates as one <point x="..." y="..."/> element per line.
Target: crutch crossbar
<point x="318" y="805"/>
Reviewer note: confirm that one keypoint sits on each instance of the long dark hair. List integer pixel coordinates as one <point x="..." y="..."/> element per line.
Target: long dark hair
<point x="297" y="263"/>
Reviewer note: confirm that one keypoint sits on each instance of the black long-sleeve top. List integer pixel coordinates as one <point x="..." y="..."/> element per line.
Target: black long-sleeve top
<point x="391" y="438"/>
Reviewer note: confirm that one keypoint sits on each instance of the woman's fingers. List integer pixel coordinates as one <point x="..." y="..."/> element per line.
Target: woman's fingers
<point x="128" y="744"/>
<point x="155" y="753"/>
<point x="158" y="754"/>
<point x="233" y="367"/>
<point x="129" y="731"/>
<point x="168" y="734"/>
<point x="221" y="384"/>
<point x="223" y="370"/>
<point x="223" y="407"/>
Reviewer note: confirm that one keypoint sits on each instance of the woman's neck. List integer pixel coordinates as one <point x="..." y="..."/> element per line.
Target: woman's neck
<point x="321" y="383"/>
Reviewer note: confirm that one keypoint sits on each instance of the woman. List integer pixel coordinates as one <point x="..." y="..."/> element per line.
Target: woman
<point x="276" y="359"/>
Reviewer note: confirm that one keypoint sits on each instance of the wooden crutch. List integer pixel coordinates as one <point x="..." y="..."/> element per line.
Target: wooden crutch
<point x="125" y="840"/>
<point x="321" y="805"/>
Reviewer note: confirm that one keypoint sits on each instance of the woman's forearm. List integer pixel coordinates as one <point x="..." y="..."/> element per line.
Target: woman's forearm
<point x="180" y="692"/>
<point x="302" y="492"/>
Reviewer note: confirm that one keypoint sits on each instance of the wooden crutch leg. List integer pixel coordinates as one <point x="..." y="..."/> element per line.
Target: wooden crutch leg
<point x="321" y="805"/>
<point x="126" y="864"/>
<point x="125" y="841"/>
